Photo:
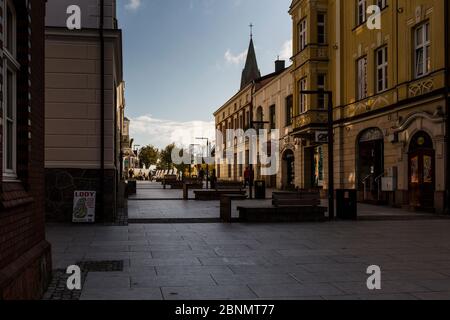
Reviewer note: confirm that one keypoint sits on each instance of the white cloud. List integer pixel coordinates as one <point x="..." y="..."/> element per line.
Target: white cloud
<point x="286" y="50"/>
<point x="148" y="130"/>
<point x="133" y="5"/>
<point x="235" y="59"/>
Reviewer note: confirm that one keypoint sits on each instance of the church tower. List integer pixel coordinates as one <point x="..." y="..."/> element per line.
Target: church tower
<point x="251" y="71"/>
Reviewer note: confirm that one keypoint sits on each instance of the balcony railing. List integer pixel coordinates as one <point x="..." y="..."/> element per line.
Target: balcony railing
<point x="310" y="118"/>
<point x="313" y="52"/>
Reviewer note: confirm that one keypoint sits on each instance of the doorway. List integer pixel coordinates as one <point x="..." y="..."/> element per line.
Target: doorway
<point x="289" y="170"/>
<point x="421" y="170"/>
<point x="370" y="164"/>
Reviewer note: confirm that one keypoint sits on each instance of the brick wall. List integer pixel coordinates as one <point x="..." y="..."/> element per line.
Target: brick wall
<point x="25" y="260"/>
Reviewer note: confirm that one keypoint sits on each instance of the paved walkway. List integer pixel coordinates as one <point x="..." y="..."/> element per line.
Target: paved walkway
<point x="153" y="203"/>
<point x="260" y="261"/>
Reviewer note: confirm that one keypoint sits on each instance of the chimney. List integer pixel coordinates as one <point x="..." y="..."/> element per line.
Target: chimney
<point x="280" y="65"/>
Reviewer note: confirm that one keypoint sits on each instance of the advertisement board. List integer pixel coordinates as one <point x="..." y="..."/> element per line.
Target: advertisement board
<point x="84" y="207"/>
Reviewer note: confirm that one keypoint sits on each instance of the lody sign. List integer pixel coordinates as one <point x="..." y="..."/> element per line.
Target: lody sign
<point x="84" y="206"/>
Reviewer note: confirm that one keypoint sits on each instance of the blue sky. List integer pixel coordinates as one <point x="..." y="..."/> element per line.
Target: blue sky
<point x="183" y="59"/>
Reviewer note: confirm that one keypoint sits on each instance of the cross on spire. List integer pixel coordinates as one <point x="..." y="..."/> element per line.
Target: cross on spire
<point x="251" y="30"/>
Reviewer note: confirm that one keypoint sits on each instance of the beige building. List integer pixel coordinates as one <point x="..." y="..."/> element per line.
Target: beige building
<point x="273" y="103"/>
<point x="238" y="114"/>
<point x="84" y="107"/>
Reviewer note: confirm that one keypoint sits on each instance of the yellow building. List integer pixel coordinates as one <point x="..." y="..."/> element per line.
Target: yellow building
<point x="389" y="89"/>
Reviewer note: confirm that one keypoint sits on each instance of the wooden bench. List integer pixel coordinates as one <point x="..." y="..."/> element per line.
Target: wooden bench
<point x="301" y="206"/>
<point x="222" y="188"/>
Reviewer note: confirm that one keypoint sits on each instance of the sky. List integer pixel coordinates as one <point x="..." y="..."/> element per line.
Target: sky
<point x="183" y="60"/>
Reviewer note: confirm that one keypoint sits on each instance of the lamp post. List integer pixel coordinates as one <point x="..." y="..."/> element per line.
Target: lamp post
<point x="329" y="94"/>
<point x="207" y="165"/>
<point x="250" y="185"/>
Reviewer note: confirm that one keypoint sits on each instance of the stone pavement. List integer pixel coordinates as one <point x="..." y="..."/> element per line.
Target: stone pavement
<point x="260" y="261"/>
<point x="153" y="203"/>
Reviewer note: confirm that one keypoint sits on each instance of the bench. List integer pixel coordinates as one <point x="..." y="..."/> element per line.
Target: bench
<point x="282" y="214"/>
<point x="169" y="179"/>
<point x="222" y="188"/>
<point x="300" y="206"/>
<point x="225" y="205"/>
<point x="300" y="198"/>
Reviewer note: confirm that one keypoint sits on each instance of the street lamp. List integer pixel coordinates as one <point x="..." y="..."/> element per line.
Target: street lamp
<point x="207" y="165"/>
<point x="329" y="94"/>
<point x="250" y="185"/>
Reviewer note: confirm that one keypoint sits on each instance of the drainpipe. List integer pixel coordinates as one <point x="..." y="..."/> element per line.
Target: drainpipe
<point x="102" y="107"/>
<point x="447" y="106"/>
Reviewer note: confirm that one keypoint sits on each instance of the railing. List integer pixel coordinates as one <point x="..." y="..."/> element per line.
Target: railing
<point x="378" y="181"/>
<point x="310" y="117"/>
<point x="364" y="182"/>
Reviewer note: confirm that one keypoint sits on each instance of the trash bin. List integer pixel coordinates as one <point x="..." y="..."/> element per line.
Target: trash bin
<point x="131" y="187"/>
<point x="346" y="204"/>
<point x="260" y="189"/>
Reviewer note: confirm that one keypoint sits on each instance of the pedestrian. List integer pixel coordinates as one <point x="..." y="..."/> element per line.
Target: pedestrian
<point x="246" y="177"/>
<point x="213" y="179"/>
<point x="251" y="177"/>
<point x="202" y="175"/>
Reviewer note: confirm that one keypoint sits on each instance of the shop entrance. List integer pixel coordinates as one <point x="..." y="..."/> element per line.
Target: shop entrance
<point x="422" y="172"/>
<point x="289" y="170"/>
<point x="370" y="165"/>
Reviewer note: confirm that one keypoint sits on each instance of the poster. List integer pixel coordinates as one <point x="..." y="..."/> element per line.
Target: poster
<point x="84" y="207"/>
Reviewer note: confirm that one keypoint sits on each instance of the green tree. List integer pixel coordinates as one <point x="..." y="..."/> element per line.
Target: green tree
<point x="165" y="157"/>
<point x="149" y="156"/>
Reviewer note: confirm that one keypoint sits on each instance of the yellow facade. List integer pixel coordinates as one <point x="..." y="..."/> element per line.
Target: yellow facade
<point x="388" y="86"/>
<point x="234" y="114"/>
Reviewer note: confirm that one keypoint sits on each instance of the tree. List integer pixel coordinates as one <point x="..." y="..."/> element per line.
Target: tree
<point x="165" y="157"/>
<point x="149" y="156"/>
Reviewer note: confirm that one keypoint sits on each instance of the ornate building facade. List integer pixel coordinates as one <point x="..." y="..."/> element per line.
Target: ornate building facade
<point x="390" y="97"/>
<point x="239" y="112"/>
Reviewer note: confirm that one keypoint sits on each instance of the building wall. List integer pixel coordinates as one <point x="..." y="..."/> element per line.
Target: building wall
<point x="226" y="117"/>
<point x="25" y="259"/>
<point x="407" y="106"/>
<point x="73" y="114"/>
<point x="275" y="94"/>
<point x="90" y="13"/>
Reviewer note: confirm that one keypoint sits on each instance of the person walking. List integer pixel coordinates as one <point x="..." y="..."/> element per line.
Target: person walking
<point x="246" y="177"/>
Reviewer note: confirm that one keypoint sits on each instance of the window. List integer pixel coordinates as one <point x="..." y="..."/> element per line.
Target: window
<point x="321" y="27"/>
<point x="422" y="45"/>
<point x="302" y="102"/>
<point x="11" y="67"/>
<point x="302" y="35"/>
<point x="321" y="79"/>
<point x="362" y="78"/>
<point x="381" y="57"/>
<point x="361" y="12"/>
<point x="289" y="110"/>
<point x="272" y="117"/>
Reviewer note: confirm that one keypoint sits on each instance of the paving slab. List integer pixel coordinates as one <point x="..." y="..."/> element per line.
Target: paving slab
<point x="261" y="261"/>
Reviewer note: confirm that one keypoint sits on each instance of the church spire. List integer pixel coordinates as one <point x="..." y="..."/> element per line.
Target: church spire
<point x="251" y="71"/>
